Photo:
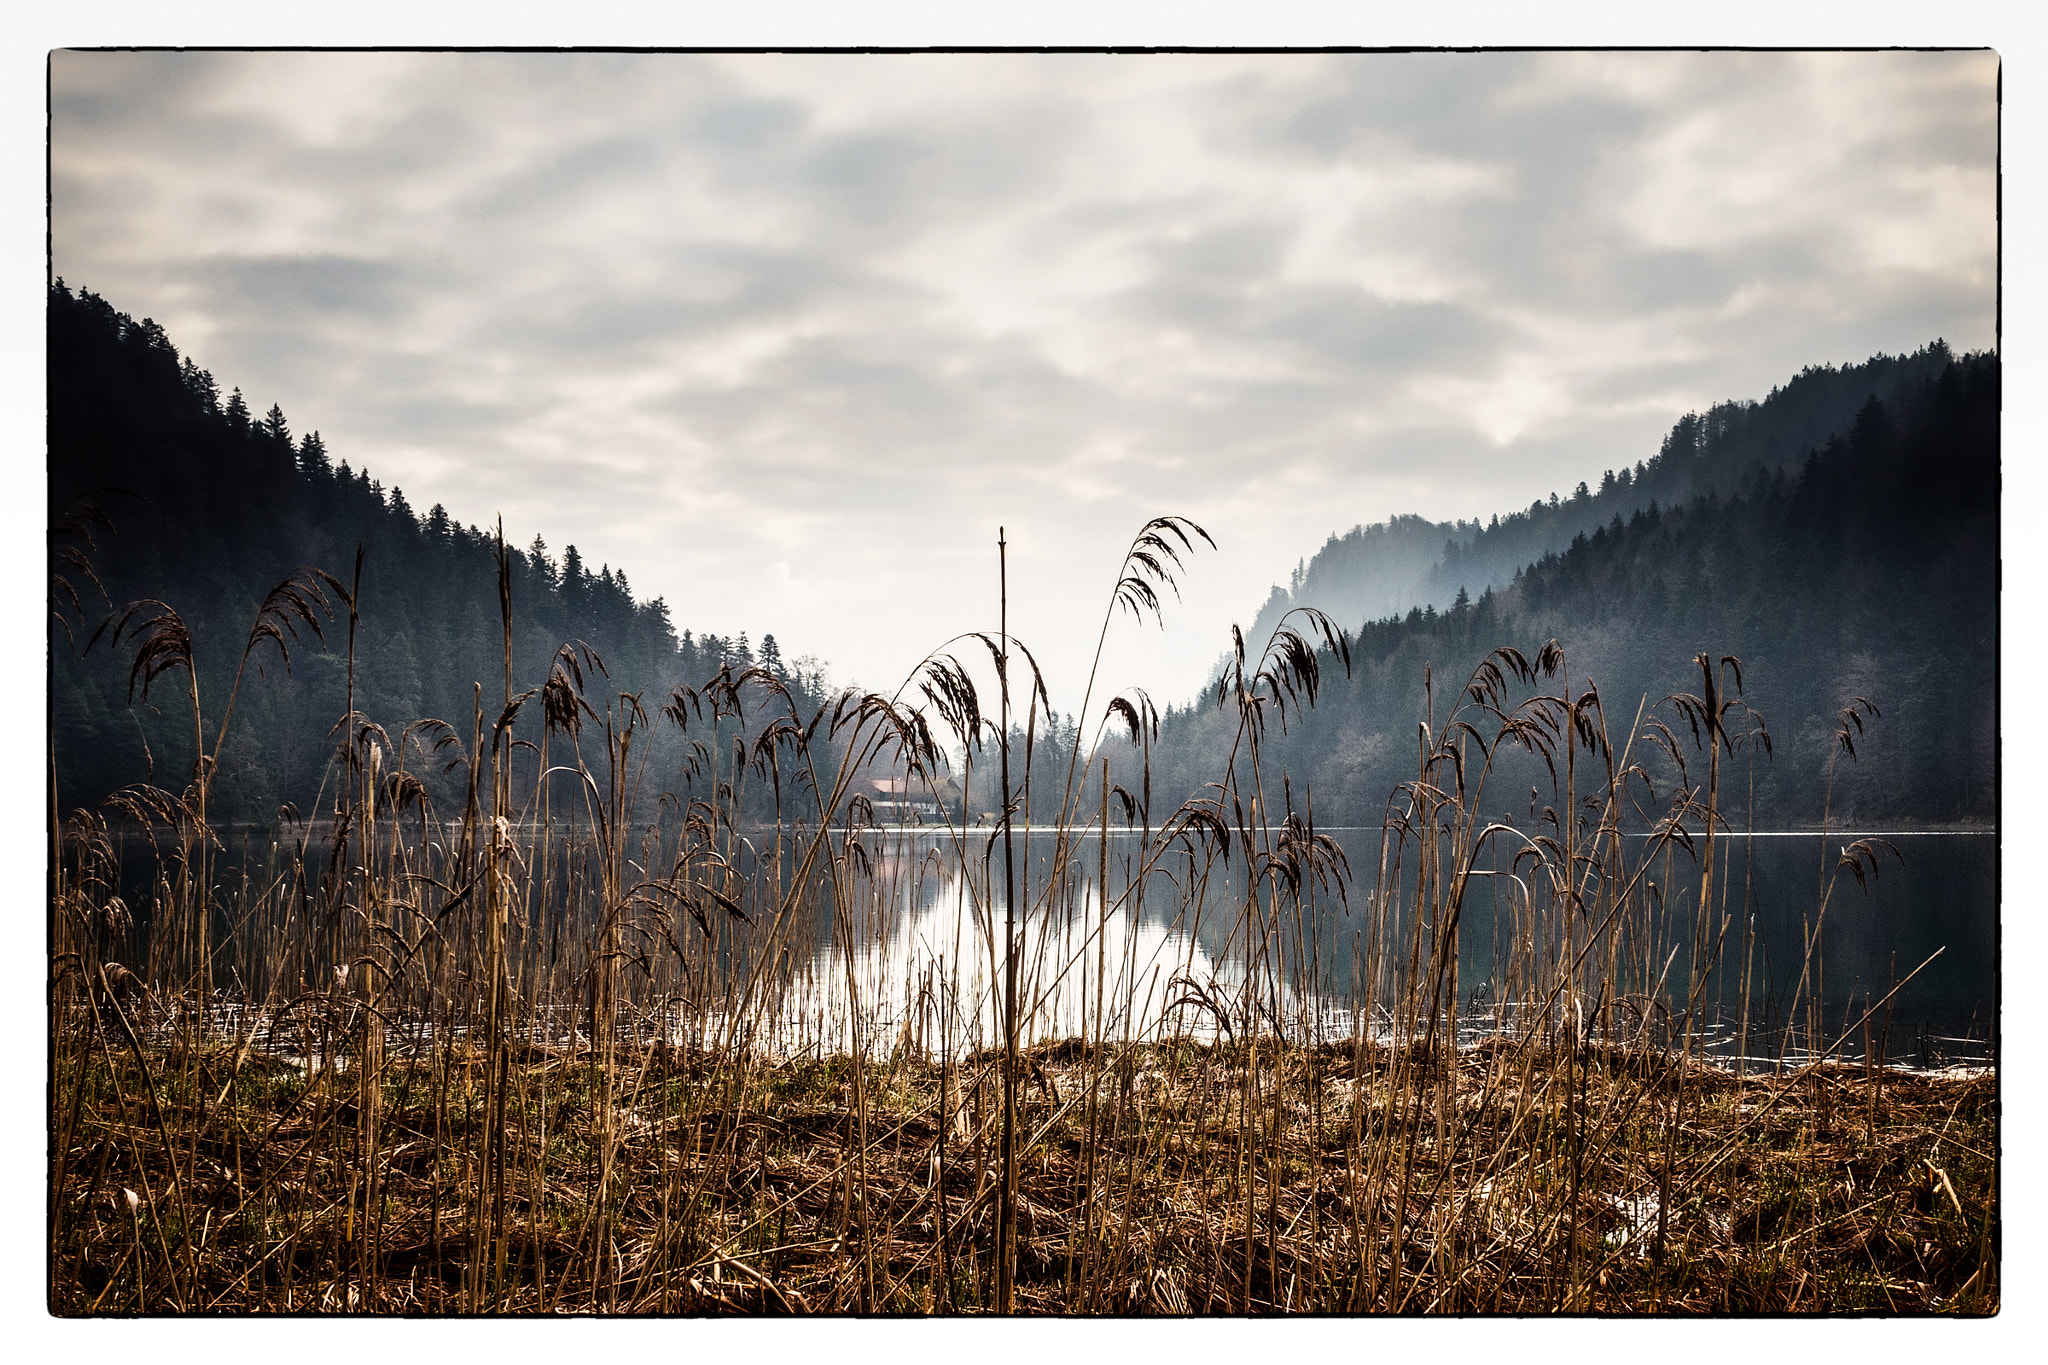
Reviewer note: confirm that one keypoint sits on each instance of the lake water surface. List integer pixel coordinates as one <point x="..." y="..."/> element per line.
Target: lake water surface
<point x="928" y="963"/>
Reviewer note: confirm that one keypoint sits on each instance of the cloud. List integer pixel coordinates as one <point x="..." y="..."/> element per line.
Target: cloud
<point x="847" y="314"/>
<point x="294" y="289"/>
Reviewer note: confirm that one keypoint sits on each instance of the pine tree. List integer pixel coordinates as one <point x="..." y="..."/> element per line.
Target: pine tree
<point x="205" y="393"/>
<point x="313" y="457"/>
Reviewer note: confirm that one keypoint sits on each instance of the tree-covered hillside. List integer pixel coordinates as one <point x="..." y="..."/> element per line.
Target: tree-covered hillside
<point x="1407" y="561"/>
<point x="207" y="507"/>
<point x="1871" y="570"/>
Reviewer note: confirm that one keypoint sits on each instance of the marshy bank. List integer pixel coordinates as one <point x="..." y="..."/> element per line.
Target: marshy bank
<point x="599" y="1043"/>
<point x="1155" y="1178"/>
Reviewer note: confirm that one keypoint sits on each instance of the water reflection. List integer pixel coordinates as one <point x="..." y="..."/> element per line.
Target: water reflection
<point x="918" y="958"/>
<point x="924" y="970"/>
<point x="931" y="975"/>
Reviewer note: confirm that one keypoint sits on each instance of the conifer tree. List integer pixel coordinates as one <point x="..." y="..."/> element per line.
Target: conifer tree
<point x="313" y="457"/>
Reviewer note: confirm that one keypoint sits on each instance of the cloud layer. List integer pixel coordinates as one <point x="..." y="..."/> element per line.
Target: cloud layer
<point x="788" y="337"/>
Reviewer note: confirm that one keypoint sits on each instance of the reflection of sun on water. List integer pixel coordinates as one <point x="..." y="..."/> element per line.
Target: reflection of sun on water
<point x="924" y="961"/>
<point x="935" y="973"/>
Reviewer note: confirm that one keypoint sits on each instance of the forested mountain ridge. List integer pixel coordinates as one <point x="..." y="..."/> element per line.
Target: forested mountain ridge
<point x="1869" y="571"/>
<point x="1408" y="561"/>
<point x="210" y="507"/>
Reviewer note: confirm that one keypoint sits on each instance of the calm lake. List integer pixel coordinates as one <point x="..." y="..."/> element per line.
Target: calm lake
<point x="929" y="946"/>
<point x="920" y="953"/>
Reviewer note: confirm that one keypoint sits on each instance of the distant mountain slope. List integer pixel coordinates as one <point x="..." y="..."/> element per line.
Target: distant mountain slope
<point x="1871" y="570"/>
<point x="1407" y="561"/>
<point x="211" y="507"/>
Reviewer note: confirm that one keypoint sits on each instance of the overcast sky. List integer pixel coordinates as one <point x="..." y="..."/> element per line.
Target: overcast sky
<point x="787" y="337"/>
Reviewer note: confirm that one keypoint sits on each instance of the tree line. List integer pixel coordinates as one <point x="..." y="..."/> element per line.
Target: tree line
<point x="1868" y="570"/>
<point x="1408" y="561"/>
<point x="163" y="490"/>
